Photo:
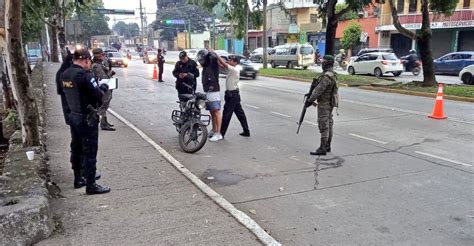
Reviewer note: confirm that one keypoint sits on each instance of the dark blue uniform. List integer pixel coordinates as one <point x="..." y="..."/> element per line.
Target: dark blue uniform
<point x="80" y="89"/>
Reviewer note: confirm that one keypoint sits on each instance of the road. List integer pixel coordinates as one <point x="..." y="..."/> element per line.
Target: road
<point x="395" y="176"/>
<point x="404" y="77"/>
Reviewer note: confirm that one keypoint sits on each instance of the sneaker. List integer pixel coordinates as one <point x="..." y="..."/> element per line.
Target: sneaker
<point x="211" y="133"/>
<point x="216" y="137"/>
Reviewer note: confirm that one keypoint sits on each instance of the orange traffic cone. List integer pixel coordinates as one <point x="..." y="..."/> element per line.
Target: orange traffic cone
<point x="155" y="73"/>
<point x="438" y="112"/>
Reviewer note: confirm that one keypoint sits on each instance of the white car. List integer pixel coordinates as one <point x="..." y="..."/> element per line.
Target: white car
<point x="378" y="64"/>
<point x="192" y="53"/>
<point x="467" y="75"/>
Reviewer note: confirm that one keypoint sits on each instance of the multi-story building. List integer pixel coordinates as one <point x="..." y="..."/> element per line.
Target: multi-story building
<point x="450" y="33"/>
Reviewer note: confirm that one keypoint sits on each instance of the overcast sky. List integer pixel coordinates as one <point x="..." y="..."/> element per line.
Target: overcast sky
<point x="149" y="5"/>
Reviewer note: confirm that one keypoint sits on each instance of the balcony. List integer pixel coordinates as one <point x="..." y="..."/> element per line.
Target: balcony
<point x="413" y="21"/>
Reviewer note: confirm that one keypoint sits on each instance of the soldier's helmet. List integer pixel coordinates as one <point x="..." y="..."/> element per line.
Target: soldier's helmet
<point x="97" y="51"/>
<point x="329" y="59"/>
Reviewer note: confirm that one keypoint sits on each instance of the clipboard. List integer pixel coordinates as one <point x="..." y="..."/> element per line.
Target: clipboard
<point x="112" y="83"/>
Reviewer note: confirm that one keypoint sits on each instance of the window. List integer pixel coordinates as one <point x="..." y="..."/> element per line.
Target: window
<point x="306" y="50"/>
<point x="313" y="18"/>
<point x="412" y="6"/>
<point x="293" y="51"/>
<point x="372" y="57"/>
<point x="391" y="57"/>
<point x="466" y="4"/>
<point x="400" y="6"/>
<point x="292" y="19"/>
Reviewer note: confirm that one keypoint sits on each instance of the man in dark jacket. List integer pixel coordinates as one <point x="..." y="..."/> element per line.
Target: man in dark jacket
<point x="185" y="71"/>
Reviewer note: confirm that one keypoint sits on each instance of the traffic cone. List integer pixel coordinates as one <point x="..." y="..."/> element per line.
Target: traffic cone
<point x="438" y="112"/>
<point x="155" y="73"/>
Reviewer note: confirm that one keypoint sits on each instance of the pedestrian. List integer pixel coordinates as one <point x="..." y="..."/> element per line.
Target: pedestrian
<point x="160" y="59"/>
<point x="324" y="92"/>
<point x="83" y="97"/>
<point x="185" y="71"/>
<point x="210" y="84"/>
<point x="101" y="71"/>
<point x="232" y="96"/>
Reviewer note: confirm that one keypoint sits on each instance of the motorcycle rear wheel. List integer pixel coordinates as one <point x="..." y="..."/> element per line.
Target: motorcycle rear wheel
<point x="192" y="137"/>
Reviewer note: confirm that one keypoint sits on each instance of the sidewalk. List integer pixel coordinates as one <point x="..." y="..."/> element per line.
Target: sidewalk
<point x="151" y="203"/>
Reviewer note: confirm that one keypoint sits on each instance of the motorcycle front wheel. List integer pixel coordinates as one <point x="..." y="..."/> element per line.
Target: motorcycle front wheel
<point x="192" y="137"/>
<point x="416" y="71"/>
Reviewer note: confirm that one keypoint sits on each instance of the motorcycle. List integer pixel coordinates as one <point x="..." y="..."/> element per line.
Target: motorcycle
<point x="190" y="123"/>
<point x="415" y="68"/>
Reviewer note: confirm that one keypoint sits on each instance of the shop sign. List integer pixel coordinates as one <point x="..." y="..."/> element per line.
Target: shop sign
<point x="434" y="25"/>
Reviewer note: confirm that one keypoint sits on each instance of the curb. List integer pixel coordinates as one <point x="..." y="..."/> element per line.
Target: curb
<point x="240" y="216"/>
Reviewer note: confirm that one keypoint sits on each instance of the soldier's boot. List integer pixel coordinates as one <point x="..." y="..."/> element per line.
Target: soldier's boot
<point x="104" y="126"/>
<point x="328" y="145"/>
<point x="322" y="148"/>
<point x="107" y="122"/>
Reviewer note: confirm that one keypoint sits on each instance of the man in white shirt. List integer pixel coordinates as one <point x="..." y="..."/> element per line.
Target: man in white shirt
<point x="232" y="96"/>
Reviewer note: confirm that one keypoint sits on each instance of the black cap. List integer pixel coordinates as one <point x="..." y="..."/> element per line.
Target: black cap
<point x="182" y="54"/>
<point x="81" y="53"/>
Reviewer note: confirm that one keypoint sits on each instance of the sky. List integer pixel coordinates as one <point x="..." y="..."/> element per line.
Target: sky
<point x="148" y="5"/>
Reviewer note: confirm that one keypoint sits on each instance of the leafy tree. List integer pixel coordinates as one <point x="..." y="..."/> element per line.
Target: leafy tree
<point x="327" y="10"/>
<point x="92" y="22"/>
<point x="351" y="35"/>
<point x="347" y="16"/>
<point x="423" y="37"/>
<point x="126" y="30"/>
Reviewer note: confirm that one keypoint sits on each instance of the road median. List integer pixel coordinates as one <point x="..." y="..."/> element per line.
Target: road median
<point x="452" y="92"/>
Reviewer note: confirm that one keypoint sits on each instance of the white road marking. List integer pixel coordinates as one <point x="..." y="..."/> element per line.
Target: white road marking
<point x="310" y="122"/>
<point x="444" y="159"/>
<point x="366" y="138"/>
<point x="280" y="114"/>
<point x="243" y="218"/>
<point x="251" y="106"/>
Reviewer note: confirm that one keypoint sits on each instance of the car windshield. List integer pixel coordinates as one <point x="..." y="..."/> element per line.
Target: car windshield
<point x="390" y="57"/>
<point x="306" y="50"/>
<point x="117" y="54"/>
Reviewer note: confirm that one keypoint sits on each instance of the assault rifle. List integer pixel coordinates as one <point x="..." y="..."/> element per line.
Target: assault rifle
<point x="306" y="96"/>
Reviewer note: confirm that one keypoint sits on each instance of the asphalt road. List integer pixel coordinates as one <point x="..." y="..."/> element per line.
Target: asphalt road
<point x="404" y="77"/>
<point x="395" y="176"/>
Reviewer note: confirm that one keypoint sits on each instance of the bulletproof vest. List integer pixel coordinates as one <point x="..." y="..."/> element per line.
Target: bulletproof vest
<point x="70" y="85"/>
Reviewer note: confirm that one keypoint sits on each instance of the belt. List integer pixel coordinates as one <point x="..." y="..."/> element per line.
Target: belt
<point x="233" y="91"/>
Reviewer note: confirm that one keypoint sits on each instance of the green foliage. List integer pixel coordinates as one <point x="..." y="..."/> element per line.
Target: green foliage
<point x="31" y="25"/>
<point x="347" y="16"/>
<point x="206" y="4"/>
<point x="445" y="7"/>
<point x="189" y="12"/>
<point x="92" y="22"/>
<point x="12" y="118"/>
<point x="351" y="35"/>
<point x="126" y="30"/>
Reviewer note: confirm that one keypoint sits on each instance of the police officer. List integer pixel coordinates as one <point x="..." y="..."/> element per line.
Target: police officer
<point x="102" y="72"/>
<point x="83" y="97"/>
<point x="325" y="93"/>
<point x="185" y="71"/>
<point x="160" y="59"/>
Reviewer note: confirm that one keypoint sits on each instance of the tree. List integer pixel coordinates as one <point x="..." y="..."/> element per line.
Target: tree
<point x="27" y="108"/>
<point x="92" y="22"/>
<point x="127" y="30"/>
<point x="351" y="35"/>
<point x="351" y="15"/>
<point x="327" y="10"/>
<point x="423" y="37"/>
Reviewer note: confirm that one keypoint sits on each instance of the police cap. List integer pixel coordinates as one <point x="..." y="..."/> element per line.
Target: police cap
<point x="81" y="53"/>
<point x="329" y="58"/>
<point x="182" y="54"/>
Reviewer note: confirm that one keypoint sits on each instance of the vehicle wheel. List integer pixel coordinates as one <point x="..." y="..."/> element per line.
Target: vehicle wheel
<point x="396" y="74"/>
<point x="467" y="79"/>
<point x="260" y="60"/>
<point x="378" y="72"/>
<point x="416" y="71"/>
<point x="254" y="76"/>
<point x="351" y="70"/>
<point x="273" y="64"/>
<point x="192" y="137"/>
<point x="305" y="67"/>
<point x="290" y="65"/>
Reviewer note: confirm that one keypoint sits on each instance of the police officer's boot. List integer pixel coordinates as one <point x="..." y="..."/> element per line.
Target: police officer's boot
<point x="104" y="126"/>
<point x="92" y="188"/>
<point x="79" y="181"/>
<point x="322" y="148"/>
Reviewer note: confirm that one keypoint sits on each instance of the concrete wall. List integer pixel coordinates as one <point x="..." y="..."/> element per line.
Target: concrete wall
<point x="198" y="39"/>
<point x="368" y="25"/>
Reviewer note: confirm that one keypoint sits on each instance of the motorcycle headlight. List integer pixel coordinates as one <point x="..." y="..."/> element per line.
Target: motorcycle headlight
<point x="201" y="104"/>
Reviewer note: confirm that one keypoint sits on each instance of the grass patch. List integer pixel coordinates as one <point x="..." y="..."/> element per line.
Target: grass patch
<point x="308" y="75"/>
<point x="451" y="90"/>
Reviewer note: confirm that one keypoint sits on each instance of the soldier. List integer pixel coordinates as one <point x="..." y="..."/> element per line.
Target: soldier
<point x="83" y="97"/>
<point x="101" y="71"/>
<point x="185" y="71"/>
<point x="325" y="93"/>
<point x="160" y="59"/>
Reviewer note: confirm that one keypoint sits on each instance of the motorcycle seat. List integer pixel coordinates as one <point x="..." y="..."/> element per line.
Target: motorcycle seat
<point x="185" y="97"/>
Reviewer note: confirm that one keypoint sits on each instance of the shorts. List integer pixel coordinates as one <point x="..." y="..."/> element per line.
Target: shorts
<point x="214" y="101"/>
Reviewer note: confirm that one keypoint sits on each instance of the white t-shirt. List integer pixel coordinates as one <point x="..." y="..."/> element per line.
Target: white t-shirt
<point x="213" y="96"/>
<point x="232" y="80"/>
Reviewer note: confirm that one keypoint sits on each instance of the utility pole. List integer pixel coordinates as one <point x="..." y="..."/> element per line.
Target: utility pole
<point x="141" y="20"/>
<point x="264" y="41"/>
<point x="246" y="37"/>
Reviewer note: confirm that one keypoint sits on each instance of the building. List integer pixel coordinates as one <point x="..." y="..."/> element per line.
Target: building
<point x="450" y="33"/>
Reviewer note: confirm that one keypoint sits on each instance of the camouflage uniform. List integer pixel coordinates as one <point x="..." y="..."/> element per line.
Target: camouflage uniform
<point x="102" y="72"/>
<point x="323" y="93"/>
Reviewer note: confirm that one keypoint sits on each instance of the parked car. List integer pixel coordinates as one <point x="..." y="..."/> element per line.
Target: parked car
<point x="150" y="57"/>
<point x="135" y="55"/>
<point x="118" y="59"/>
<point x="33" y="59"/>
<point x="467" y="75"/>
<point x="245" y="67"/>
<point x="377" y="64"/>
<point x="453" y="63"/>
<point x="371" y="50"/>
<point x="292" y="55"/>
<point x="192" y="53"/>
<point x="257" y="54"/>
